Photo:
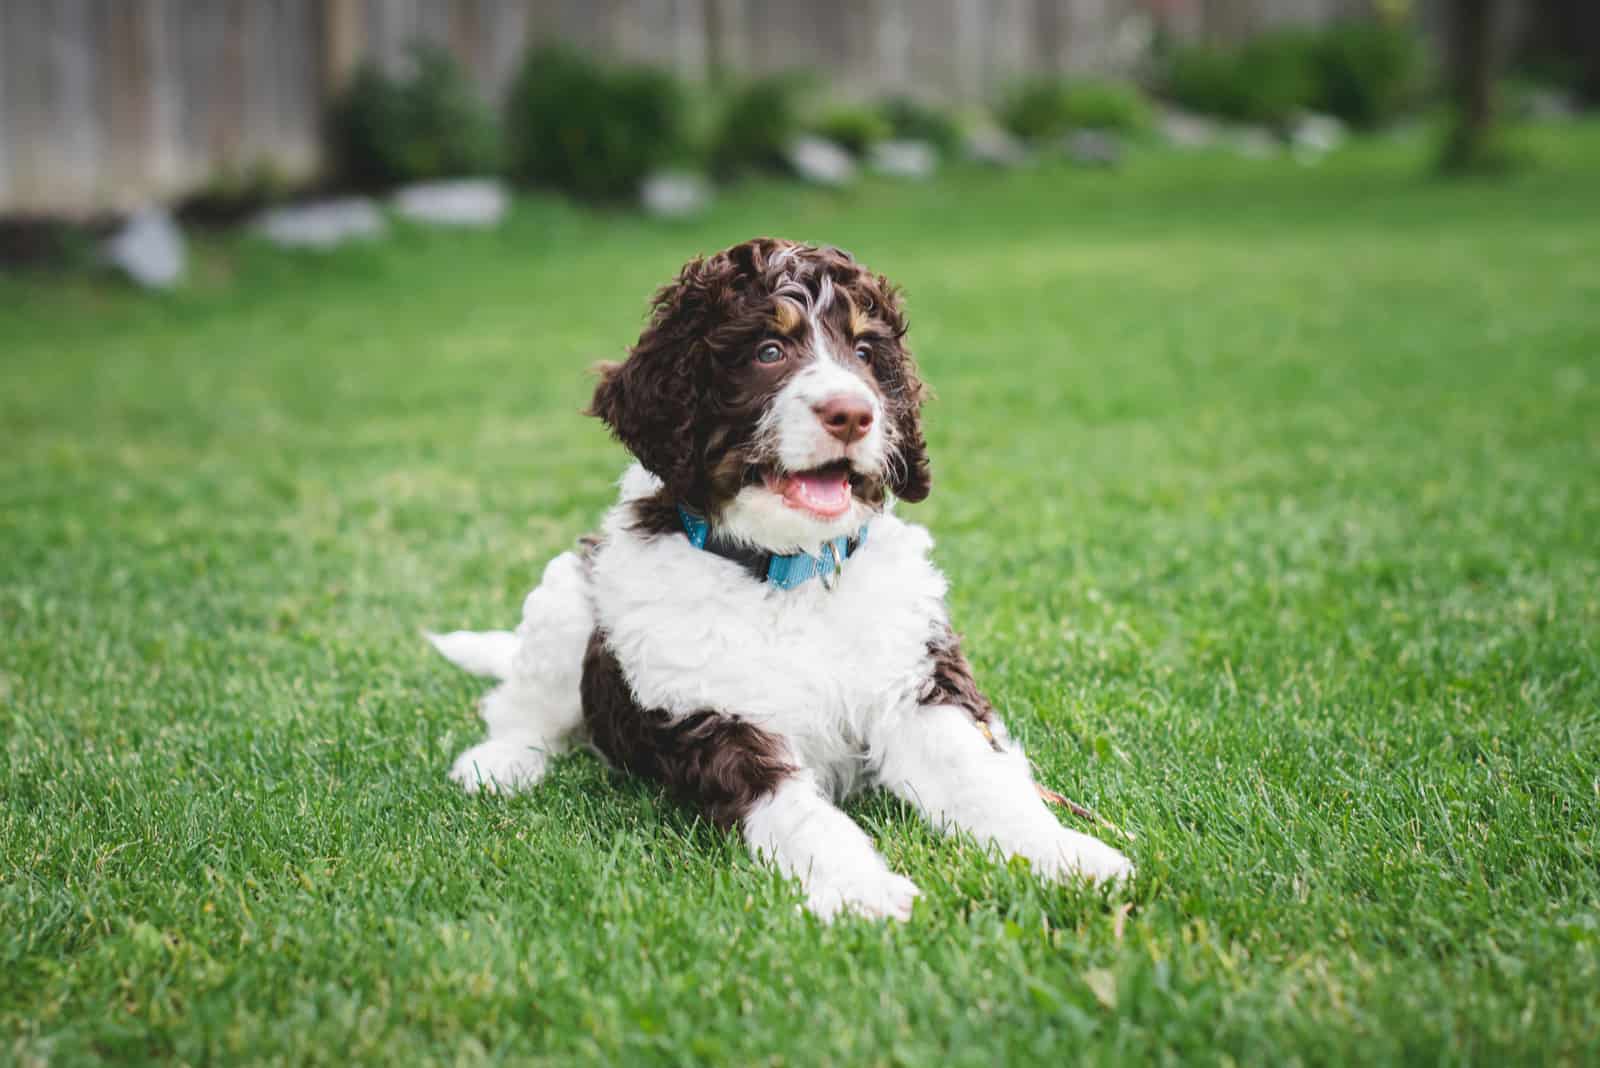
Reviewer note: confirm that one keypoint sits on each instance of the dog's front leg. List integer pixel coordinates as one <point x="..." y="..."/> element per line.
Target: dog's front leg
<point x="805" y="836"/>
<point x="739" y="774"/>
<point x="965" y="777"/>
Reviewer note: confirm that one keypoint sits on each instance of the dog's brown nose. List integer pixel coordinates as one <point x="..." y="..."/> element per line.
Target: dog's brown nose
<point x="846" y="418"/>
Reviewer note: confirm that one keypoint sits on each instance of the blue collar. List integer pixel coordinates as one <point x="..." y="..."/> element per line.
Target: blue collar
<point x="784" y="572"/>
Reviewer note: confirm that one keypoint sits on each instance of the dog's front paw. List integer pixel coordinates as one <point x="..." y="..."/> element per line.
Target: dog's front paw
<point x="876" y="895"/>
<point x="1071" y="855"/>
<point x="499" y="767"/>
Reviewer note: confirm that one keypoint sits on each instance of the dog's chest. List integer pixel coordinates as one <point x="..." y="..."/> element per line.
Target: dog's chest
<point x="692" y="632"/>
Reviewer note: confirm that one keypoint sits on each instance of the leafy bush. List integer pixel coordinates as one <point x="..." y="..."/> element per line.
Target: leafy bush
<point x="911" y="120"/>
<point x="1046" y="108"/>
<point x="368" y="131"/>
<point x="757" y="121"/>
<point x="590" y="130"/>
<point x="1366" y="72"/>
<point x="386" y="130"/>
<point x="855" y="129"/>
<point x="1116" y="106"/>
<point x="1034" y="110"/>
<point x="1267" y="80"/>
<point x="1204" y="80"/>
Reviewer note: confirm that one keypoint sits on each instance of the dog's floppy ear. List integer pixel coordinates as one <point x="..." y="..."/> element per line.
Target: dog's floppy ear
<point x="910" y="476"/>
<point x="652" y="400"/>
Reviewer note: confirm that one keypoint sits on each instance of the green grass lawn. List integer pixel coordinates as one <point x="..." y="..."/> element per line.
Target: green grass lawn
<point x="1270" y="498"/>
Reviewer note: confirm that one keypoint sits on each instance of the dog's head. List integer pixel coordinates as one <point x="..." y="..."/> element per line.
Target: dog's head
<point x="772" y="389"/>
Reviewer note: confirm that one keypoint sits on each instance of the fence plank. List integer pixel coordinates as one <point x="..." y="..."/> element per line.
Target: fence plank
<point x="505" y="31"/>
<point x="7" y="135"/>
<point x="343" y="39"/>
<point x="51" y="51"/>
<point x="123" y="98"/>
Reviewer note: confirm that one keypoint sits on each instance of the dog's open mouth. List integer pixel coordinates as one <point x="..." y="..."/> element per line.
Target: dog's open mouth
<point x="824" y="492"/>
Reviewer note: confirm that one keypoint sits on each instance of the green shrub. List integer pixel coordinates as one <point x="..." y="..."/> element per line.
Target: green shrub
<point x="1046" y="108"/>
<point x="853" y="128"/>
<point x="1267" y="80"/>
<point x="758" y="120"/>
<point x="1116" y="106"/>
<point x="368" y="131"/>
<point x="910" y="119"/>
<point x="1366" y="73"/>
<point x="386" y="130"/>
<point x="1036" y="110"/>
<point x="593" y="131"/>
<point x="1202" y="80"/>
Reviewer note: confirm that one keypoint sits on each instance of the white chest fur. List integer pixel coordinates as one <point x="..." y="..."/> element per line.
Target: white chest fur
<point x="826" y="669"/>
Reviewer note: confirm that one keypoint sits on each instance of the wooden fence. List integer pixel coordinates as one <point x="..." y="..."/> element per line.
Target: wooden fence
<point x="106" y="104"/>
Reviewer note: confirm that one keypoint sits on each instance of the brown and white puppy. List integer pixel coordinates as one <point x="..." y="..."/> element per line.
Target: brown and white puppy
<point x="755" y="628"/>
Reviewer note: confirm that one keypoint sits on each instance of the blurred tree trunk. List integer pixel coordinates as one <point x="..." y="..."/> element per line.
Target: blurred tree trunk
<point x="1563" y="42"/>
<point x="1473" y="55"/>
<point x="1586" y="43"/>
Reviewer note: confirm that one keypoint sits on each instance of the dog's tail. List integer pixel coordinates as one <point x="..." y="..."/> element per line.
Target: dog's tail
<point x="482" y="652"/>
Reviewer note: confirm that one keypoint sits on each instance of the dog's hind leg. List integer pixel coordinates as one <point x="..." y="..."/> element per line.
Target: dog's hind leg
<point x="535" y="713"/>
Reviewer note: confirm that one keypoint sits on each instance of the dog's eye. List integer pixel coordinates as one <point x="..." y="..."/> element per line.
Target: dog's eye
<point x="864" y="353"/>
<point x="771" y="352"/>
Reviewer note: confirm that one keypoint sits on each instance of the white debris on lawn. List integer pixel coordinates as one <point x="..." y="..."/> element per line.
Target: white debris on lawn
<point x="148" y="248"/>
<point x="904" y="159"/>
<point x="996" y="147"/>
<point x="462" y="202"/>
<point x="1184" y="129"/>
<point x="674" y="195"/>
<point x="821" y="161"/>
<point x="321" y="224"/>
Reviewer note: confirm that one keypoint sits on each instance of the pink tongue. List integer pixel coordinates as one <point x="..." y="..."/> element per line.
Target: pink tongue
<point x="825" y="494"/>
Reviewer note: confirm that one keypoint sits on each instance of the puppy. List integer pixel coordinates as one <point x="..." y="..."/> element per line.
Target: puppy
<point x="755" y="628"/>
